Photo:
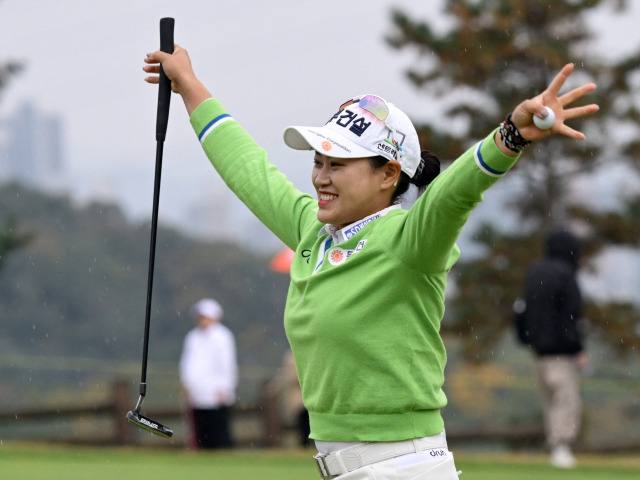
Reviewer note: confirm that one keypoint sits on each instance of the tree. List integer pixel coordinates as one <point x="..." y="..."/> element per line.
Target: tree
<point x="8" y="70"/>
<point x="10" y="239"/>
<point x="496" y="53"/>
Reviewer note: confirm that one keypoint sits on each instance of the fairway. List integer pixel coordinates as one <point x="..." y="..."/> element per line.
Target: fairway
<point x="43" y="462"/>
<point x="36" y="462"/>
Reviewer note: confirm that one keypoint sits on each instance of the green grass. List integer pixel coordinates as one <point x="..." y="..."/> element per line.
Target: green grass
<point x="44" y="462"/>
<point x="536" y="467"/>
<point x="36" y="462"/>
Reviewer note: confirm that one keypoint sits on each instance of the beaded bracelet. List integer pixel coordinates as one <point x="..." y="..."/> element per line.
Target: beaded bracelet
<point x="511" y="137"/>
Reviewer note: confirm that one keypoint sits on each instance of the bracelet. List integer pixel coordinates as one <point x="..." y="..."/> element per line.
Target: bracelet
<point x="511" y="137"/>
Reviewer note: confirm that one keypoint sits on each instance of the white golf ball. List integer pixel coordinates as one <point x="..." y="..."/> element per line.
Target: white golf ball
<point x="545" y="123"/>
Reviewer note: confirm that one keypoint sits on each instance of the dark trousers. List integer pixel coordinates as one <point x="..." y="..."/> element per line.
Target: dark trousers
<point x="212" y="427"/>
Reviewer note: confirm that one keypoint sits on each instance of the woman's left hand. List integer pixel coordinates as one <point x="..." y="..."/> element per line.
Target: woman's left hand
<point x="523" y="114"/>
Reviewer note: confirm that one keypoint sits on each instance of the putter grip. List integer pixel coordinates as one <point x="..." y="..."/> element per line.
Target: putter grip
<point x="164" y="88"/>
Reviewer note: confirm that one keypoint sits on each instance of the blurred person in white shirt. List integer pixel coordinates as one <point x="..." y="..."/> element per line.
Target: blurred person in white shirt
<point x="209" y="376"/>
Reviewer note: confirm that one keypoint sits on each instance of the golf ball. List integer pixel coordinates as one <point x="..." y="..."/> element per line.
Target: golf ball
<point x="545" y="123"/>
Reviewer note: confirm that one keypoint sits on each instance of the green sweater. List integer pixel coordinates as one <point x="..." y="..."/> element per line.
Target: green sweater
<point x="362" y="317"/>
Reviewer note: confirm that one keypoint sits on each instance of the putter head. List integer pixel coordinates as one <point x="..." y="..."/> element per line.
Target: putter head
<point x="149" y="425"/>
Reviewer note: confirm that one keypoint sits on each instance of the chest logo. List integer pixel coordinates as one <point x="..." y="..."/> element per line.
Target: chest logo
<point x="339" y="255"/>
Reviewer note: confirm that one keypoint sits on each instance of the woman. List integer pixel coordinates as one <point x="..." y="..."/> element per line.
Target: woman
<point x="367" y="285"/>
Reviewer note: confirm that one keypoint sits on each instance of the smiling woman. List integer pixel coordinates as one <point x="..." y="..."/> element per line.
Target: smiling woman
<point x="364" y="307"/>
<point x="375" y="159"/>
<point x="350" y="188"/>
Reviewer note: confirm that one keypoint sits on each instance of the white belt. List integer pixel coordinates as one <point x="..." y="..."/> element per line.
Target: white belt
<point x="349" y="459"/>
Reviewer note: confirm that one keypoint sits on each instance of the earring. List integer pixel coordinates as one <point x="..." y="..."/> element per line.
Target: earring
<point x="395" y="184"/>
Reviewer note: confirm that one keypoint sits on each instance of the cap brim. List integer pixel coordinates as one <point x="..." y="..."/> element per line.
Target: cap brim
<point x="324" y="141"/>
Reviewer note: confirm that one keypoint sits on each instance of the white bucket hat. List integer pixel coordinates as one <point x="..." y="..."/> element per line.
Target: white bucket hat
<point x="207" y="308"/>
<point x="365" y="126"/>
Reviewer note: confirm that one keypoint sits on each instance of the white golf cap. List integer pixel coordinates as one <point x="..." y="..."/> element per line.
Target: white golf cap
<point x="365" y="126"/>
<point x="207" y="308"/>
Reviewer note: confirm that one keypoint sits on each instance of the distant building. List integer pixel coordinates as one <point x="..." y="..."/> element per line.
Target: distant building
<point x="32" y="149"/>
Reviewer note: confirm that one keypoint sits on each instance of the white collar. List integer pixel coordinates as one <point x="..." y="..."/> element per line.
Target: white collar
<point x="345" y="233"/>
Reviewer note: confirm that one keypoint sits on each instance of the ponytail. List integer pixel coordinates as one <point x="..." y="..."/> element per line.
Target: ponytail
<point x="427" y="171"/>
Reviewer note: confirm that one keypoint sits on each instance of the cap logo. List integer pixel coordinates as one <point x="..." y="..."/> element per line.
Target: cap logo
<point x="383" y="148"/>
<point x="394" y="143"/>
<point x="326" y="146"/>
<point x="348" y="119"/>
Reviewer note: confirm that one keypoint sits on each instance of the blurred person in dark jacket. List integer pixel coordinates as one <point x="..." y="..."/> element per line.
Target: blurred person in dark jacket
<point x="549" y="321"/>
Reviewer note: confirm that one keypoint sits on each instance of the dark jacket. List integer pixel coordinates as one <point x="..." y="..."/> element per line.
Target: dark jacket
<point x="550" y="322"/>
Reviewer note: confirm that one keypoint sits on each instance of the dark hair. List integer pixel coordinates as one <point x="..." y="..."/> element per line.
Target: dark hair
<point x="428" y="169"/>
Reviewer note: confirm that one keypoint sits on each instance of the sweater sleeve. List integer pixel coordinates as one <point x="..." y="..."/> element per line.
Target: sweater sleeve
<point x="245" y="168"/>
<point x="436" y="219"/>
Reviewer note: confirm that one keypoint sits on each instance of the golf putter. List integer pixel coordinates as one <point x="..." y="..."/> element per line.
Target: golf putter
<point x="162" y="118"/>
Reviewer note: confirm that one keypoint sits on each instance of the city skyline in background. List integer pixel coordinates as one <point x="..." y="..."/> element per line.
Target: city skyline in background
<point x="32" y="152"/>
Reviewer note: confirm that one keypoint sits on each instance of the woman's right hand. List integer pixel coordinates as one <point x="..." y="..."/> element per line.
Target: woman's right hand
<point x="177" y="67"/>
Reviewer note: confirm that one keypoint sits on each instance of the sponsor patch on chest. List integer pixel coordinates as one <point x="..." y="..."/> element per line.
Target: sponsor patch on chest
<point x="339" y="255"/>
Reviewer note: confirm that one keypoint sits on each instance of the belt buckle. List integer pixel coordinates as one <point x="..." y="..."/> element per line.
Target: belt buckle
<point x="322" y="466"/>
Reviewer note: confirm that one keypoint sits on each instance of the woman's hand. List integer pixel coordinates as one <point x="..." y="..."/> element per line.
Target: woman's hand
<point x="177" y="67"/>
<point x="523" y="114"/>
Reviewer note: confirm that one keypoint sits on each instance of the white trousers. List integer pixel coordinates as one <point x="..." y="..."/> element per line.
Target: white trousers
<point x="413" y="466"/>
<point x="431" y="460"/>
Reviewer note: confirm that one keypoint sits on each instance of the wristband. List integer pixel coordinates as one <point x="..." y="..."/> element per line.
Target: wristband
<point x="511" y="137"/>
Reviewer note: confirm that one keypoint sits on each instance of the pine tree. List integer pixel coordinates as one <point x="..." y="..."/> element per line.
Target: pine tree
<point x="10" y="239"/>
<point x="497" y="53"/>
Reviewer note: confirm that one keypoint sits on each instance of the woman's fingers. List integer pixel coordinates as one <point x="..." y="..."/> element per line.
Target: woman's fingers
<point x="566" y="130"/>
<point x="152" y="68"/>
<point x="577" y="112"/>
<point x="559" y="80"/>
<point x="576" y="93"/>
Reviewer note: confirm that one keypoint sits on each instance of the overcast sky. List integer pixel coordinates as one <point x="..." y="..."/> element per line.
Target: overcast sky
<point x="272" y="64"/>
